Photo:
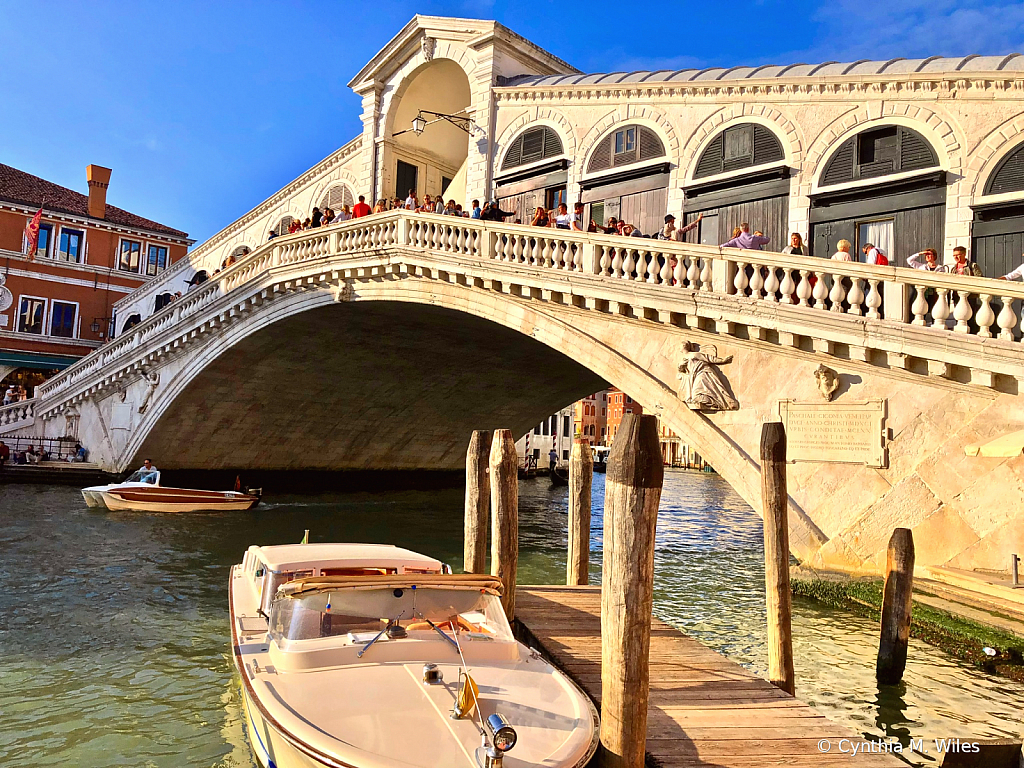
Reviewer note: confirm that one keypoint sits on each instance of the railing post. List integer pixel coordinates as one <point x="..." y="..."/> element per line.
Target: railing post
<point x="896" y="301"/>
<point x="897" y="602"/>
<point x="723" y="273"/>
<point x="403" y="229"/>
<point x="487" y="239"/>
<point x="590" y="266"/>
<point x="778" y="600"/>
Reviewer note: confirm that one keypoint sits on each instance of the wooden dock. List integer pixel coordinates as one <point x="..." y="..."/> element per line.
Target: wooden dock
<point x="704" y="710"/>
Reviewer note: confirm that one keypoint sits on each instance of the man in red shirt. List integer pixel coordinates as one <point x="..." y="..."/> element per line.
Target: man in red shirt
<point x="360" y="208"/>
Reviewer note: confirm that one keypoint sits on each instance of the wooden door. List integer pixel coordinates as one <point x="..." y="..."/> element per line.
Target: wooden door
<point x="405" y="179"/>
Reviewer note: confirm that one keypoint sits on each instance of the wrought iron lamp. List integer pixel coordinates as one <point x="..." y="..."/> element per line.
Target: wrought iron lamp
<point x="420" y="122"/>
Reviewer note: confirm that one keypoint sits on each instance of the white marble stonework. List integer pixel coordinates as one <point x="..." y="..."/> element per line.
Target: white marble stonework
<point x="376" y="343"/>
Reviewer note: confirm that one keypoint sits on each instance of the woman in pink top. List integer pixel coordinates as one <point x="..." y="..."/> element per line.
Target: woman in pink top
<point x="842" y="251"/>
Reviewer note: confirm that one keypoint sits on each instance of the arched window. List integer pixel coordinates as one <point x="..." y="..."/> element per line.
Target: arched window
<point x="626" y="145"/>
<point x="282" y="226"/>
<point x="532" y="145"/>
<point x="334" y="198"/>
<point x="879" y="152"/>
<point x="131" y="322"/>
<point x="163" y="299"/>
<point x="240" y="251"/>
<point x="1009" y="174"/>
<point x="739" y="146"/>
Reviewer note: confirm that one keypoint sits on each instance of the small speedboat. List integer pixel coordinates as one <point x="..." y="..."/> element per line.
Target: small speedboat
<point x="142" y="492"/>
<point x="372" y="656"/>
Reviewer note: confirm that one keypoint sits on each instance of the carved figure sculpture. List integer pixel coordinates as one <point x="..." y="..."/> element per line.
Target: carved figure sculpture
<point x="827" y="381"/>
<point x="152" y="381"/>
<point x="707" y="388"/>
<point x="343" y="291"/>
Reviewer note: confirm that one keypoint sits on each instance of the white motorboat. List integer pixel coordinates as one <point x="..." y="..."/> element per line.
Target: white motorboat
<point x="372" y="656"/>
<point x="142" y="492"/>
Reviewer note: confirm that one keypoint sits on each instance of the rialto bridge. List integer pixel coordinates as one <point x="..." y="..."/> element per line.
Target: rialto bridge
<point x="381" y="342"/>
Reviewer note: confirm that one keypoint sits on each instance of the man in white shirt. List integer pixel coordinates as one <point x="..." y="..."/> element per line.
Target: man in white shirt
<point x="564" y="219"/>
<point x="410" y="201"/>
<point x="1017" y="274"/>
<point x="870" y="252"/>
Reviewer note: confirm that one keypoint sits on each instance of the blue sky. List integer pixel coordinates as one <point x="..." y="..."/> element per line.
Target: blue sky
<point x="204" y="109"/>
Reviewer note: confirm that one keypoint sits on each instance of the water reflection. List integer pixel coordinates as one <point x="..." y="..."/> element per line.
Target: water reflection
<point x="113" y="631"/>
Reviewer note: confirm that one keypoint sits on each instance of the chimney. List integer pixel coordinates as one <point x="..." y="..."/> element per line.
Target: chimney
<point x="99" y="178"/>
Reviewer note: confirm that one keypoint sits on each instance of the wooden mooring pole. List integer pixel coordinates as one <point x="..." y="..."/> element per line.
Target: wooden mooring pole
<point x="504" y="470"/>
<point x="478" y="502"/>
<point x="896" y="608"/>
<point x="632" y="493"/>
<point x="581" y="478"/>
<point x="778" y="598"/>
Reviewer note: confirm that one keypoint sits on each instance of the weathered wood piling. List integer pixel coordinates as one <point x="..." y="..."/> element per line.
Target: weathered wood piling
<point x="632" y="494"/>
<point x="478" y="502"/>
<point x="504" y="482"/>
<point x="581" y="479"/>
<point x="778" y="597"/>
<point x="896" y="608"/>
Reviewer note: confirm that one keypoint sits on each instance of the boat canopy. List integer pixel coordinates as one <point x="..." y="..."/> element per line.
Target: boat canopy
<point x="474" y="582"/>
<point x="297" y="557"/>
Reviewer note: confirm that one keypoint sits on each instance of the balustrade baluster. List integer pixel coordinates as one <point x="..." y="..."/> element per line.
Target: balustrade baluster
<point x="606" y="261"/>
<point x="756" y="281"/>
<point x="806" y="290"/>
<point x="673" y="275"/>
<point x="545" y="255"/>
<point x="940" y="309"/>
<point x="855" y="298"/>
<point x="985" y="317"/>
<point x="705" y="275"/>
<point x="692" y="272"/>
<point x="628" y="265"/>
<point x="1007" y="319"/>
<point x="617" y="263"/>
<point x="577" y="258"/>
<point x="920" y="305"/>
<point x="653" y="269"/>
<point x="962" y="312"/>
<point x="771" y="285"/>
<point x="873" y="300"/>
<point x="740" y="282"/>
<point x="517" y="249"/>
<point x="837" y="294"/>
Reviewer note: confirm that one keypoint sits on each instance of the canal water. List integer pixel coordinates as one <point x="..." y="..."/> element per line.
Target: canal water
<point x="114" y="636"/>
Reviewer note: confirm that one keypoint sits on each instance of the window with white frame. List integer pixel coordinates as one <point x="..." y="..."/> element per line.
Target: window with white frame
<point x="31" y="314"/>
<point x="131" y="253"/>
<point x="156" y="259"/>
<point x="72" y="245"/>
<point x="45" y="240"/>
<point x="62" y="319"/>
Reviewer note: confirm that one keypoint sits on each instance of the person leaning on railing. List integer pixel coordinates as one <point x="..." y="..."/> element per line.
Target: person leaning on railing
<point x="1017" y="274"/>
<point x="747" y="241"/>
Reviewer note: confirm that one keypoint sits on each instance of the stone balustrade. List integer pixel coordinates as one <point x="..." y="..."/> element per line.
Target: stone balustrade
<point x="17" y="415"/>
<point x="849" y="294"/>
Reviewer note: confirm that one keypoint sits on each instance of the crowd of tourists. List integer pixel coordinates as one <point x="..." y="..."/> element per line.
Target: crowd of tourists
<point x="561" y="218"/>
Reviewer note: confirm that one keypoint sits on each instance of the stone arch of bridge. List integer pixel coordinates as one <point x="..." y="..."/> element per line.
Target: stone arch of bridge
<point x="515" y="362"/>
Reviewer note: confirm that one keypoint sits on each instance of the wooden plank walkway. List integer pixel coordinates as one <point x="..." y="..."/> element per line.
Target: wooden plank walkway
<point x="704" y="709"/>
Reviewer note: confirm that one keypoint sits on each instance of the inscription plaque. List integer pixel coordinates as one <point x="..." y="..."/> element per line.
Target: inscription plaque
<point x="852" y="433"/>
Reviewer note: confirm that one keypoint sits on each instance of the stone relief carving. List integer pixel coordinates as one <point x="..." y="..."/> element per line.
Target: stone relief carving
<point x="827" y="381"/>
<point x="71" y="417"/>
<point x="343" y="291"/>
<point x="706" y="388"/>
<point x="428" y="44"/>
<point x="152" y="382"/>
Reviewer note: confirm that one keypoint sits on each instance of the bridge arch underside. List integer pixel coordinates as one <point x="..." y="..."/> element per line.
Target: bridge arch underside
<point x="376" y="385"/>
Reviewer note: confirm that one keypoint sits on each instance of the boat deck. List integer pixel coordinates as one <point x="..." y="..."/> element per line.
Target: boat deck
<point x="704" y="710"/>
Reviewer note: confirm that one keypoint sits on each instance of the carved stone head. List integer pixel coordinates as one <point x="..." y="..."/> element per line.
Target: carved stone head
<point x="827" y="381"/>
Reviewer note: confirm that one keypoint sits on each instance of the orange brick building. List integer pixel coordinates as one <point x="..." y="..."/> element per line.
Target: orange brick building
<point x="57" y="307"/>
<point x="619" y="404"/>
<point x="591" y="417"/>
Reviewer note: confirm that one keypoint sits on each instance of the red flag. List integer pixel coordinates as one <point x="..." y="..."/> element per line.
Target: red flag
<point x="32" y="234"/>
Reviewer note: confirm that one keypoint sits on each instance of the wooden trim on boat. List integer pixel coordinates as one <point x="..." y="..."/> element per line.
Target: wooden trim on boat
<point x="236" y="652"/>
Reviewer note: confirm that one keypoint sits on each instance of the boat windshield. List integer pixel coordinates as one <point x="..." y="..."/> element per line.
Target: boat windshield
<point x="143" y="476"/>
<point x="359" y="614"/>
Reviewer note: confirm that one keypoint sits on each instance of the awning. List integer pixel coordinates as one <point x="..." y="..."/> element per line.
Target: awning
<point x="22" y="359"/>
<point x="457" y="187"/>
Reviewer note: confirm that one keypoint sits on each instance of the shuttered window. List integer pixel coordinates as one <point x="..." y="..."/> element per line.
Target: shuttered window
<point x="879" y="152"/>
<point x="624" y="146"/>
<point x="1009" y="174"/>
<point x="740" y="146"/>
<point x="533" y="145"/>
<point x="283" y="224"/>
<point x="336" y="197"/>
